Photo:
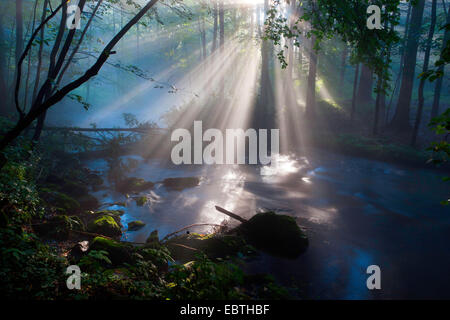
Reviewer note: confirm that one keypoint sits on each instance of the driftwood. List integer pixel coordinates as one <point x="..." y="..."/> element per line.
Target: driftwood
<point x="189" y="226"/>
<point x="231" y="214"/>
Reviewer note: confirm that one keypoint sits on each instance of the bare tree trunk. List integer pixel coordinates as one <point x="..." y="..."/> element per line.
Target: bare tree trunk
<point x="437" y="88"/>
<point x="355" y="86"/>
<point x="215" y="18"/>
<point x="311" y="90"/>
<point x="424" y="69"/>
<point x="401" y="116"/>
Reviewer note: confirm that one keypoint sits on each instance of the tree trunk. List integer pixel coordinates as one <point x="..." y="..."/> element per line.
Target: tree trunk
<point x="424" y="69"/>
<point x="355" y="86"/>
<point x="343" y="61"/>
<point x="364" y="94"/>
<point x="215" y="17"/>
<point x="400" y="120"/>
<point x="310" y="111"/>
<point x="437" y="88"/>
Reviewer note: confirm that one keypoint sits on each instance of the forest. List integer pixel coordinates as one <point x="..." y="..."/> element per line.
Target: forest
<point x="103" y="100"/>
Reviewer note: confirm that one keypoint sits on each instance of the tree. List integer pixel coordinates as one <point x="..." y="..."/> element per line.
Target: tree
<point x="400" y="121"/>
<point x="42" y="105"/>
<point x="424" y="70"/>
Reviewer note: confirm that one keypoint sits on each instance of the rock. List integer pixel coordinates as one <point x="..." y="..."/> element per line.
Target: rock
<point x="78" y="250"/>
<point x="274" y="233"/>
<point x="112" y="213"/>
<point x="94" y="179"/>
<point x="179" y="184"/>
<point x="153" y="240"/>
<point x="60" y="200"/>
<point x="133" y="185"/>
<point x="140" y="201"/>
<point x="74" y="189"/>
<point x="88" y="202"/>
<point x="60" y="226"/>
<point x="105" y="225"/>
<point x="118" y="252"/>
<point x="135" y="225"/>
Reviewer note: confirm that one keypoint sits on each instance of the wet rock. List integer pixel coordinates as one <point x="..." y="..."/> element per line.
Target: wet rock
<point x="59" y="227"/>
<point x="74" y="189"/>
<point x="112" y="213"/>
<point x="133" y="185"/>
<point x="153" y="240"/>
<point x="94" y="179"/>
<point x="179" y="184"/>
<point x="88" y="202"/>
<point x="78" y="251"/>
<point x="274" y="233"/>
<point x="60" y="200"/>
<point x="135" y="225"/>
<point x="140" y="201"/>
<point x="105" y="225"/>
<point x="118" y="252"/>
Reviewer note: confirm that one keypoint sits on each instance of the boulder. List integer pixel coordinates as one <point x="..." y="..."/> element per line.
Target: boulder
<point x="274" y="233"/>
<point x="179" y="184"/>
<point x="118" y="252"/>
<point x="105" y="225"/>
<point x="135" y="225"/>
<point x="133" y="185"/>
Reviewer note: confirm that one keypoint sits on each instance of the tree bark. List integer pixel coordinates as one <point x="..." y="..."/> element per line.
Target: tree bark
<point x="400" y="120"/>
<point x="437" y="88"/>
<point x="355" y="86"/>
<point x="424" y="69"/>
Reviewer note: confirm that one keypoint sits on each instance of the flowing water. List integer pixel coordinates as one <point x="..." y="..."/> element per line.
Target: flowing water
<point x="356" y="213"/>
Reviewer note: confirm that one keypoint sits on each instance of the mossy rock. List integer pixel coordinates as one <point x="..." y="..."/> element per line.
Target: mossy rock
<point x="153" y="240"/>
<point x="88" y="202"/>
<point x="274" y="233"/>
<point x="216" y="246"/>
<point x="133" y="185"/>
<point x="74" y="189"/>
<point x="112" y="213"/>
<point x="94" y="179"/>
<point x="59" y="227"/>
<point x="179" y="184"/>
<point x="105" y="225"/>
<point x="118" y="252"/>
<point x="140" y="201"/>
<point x="135" y="225"/>
<point x="60" y="200"/>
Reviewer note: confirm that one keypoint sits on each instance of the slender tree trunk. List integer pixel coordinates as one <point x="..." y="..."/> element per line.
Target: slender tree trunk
<point x="400" y="120"/>
<point x="355" y="86"/>
<point x="437" y="88"/>
<point x="310" y="111"/>
<point x="41" y="48"/>
<point x="424" y="69"/>
<point x="215" y="18"/>
<point x="364" y="94"/>
<point x="3" y="74"/>
<point x="343" y="62"/>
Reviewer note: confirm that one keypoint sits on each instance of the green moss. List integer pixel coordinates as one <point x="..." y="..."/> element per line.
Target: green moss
<point x="135" y="225"/>
<point x="179" y="184"/>
<point x="276" y="234"/>
<point x="140" y="201"/>
<point x="60" y="200"/>
<point x="105" y="225"/>
<point x="133" y="185"/>
<point x="118" y="252"/>
<point x="113" y="213"/>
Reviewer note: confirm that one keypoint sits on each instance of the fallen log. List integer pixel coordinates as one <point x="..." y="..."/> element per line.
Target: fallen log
<point x="231" y="214"/>
<point x="138" y="130"/>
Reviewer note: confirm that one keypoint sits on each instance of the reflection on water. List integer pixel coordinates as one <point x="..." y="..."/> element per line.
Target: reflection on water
<point x="355" y="212"/>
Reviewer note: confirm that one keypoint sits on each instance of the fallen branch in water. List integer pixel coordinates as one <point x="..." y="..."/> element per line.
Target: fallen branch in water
<point x="189" y="226"/>
<point x="231" y="214"/>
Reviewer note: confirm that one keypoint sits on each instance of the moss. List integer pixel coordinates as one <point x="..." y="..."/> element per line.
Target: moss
<point x="60" y="226"/>
<point x="113" y="213"/>
<point x="118" y="252"/>
<point x="60" y="200"/>
<point x="105" y="225"/>
<point x="135" y="225"/>
<point x="276" y="234"/>
<point x="140" y="201"/>
<point x="179" y="184"/>
<point x="133" y="185"/>
<point x="153" y="240"/>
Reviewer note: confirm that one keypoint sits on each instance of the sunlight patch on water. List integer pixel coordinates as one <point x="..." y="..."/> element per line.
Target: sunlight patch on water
<point x="282" y="165"/>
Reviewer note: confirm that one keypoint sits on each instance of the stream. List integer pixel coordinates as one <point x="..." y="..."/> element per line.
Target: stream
<point x="356" y="212"/>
